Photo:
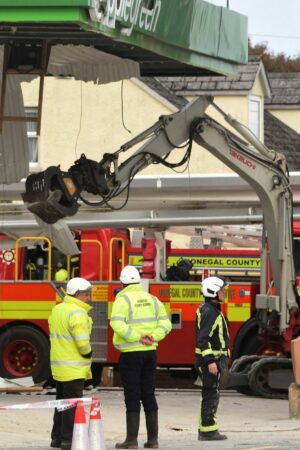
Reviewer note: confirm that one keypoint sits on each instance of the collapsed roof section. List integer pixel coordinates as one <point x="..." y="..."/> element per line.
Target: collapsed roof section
<point x="83" y="63"/>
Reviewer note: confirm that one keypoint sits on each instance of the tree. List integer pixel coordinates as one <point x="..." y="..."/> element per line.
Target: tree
<point x="274" y="62"/>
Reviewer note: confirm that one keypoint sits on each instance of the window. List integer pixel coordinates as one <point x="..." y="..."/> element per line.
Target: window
<point x="255" y="116"/>
<point x="32" y="136"/>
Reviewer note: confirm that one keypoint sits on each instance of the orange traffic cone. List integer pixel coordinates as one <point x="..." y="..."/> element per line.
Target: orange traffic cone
<point x="96" y="435"/>
<point x="80" y="440"/>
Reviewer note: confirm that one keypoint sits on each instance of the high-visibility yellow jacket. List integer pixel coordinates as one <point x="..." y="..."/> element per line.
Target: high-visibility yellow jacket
<point x="134" y="313"/>
<point x="70" y="330"/>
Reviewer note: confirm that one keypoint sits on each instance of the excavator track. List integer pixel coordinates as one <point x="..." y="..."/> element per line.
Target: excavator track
<point x="261" y="376"/>
<point x="270" y="377"/>
<point x="242" y="366"/>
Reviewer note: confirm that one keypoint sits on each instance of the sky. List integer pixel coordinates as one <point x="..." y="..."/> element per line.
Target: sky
<point x="273" y="22"/>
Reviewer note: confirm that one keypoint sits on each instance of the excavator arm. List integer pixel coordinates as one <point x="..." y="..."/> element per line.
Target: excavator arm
<point x="54" y="194"/>
<point x="265" y="173"/>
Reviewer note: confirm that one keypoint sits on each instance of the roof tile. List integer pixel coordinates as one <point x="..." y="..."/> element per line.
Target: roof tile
<point x="242" y="81"/>
<point x="283" y="139"/>
<point x="285" y="88"/>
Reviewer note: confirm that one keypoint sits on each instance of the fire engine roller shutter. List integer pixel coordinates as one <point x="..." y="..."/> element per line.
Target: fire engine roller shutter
<point x="99" y="315"/>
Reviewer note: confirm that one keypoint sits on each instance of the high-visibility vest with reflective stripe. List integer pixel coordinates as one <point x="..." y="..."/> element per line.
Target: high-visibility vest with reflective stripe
<point x="134" y="313"/>
<point x="70" y="330"/>
<point x="212" y="337"/>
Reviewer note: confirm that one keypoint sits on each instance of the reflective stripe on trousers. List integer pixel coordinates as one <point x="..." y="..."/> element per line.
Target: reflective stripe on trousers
<point x="210" y="400"/>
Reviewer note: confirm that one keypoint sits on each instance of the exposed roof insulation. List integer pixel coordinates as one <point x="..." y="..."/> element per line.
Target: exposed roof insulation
<point x="83" y="63"/>
<point x="90" y="64"/>
<point x="14" y="152"/>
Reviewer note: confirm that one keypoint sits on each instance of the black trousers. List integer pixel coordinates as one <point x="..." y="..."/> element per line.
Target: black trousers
<point x="210" y="400"/>
<point x="63" y="422"/>
<point x="137" y="371"/>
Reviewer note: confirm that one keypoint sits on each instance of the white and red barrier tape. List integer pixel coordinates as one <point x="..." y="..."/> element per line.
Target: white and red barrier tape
<point x="60" y="405"/>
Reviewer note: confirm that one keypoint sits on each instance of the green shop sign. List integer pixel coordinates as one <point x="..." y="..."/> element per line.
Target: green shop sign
<point x="129" y="13"/>
<point x="195" y="26"/>
<point x="194" y="32"/>
<point x="43" y="3"/>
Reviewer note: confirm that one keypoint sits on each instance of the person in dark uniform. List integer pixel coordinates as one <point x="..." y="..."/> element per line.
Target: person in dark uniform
<point x="212" y="354"/>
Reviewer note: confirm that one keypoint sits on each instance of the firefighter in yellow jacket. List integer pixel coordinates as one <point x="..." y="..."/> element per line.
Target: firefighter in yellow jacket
<point x="139" y="321"/>
<point x="70" y="354"/>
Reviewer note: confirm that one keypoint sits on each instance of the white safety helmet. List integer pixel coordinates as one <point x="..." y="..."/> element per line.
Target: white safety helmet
<point x="78" y="285"/>
<point x="130" y="275"/>
<point x="211" y="286"/>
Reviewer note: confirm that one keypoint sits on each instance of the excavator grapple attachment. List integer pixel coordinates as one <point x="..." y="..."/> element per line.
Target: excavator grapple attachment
<point x="51" y="195"/>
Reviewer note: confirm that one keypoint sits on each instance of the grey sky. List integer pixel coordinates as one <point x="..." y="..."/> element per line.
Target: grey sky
<point x="274" y="22"/>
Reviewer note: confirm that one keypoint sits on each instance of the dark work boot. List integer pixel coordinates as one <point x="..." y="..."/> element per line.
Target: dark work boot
<point x="66" y="445"/>
<point x="211" y="436"/>
<point x="152" y="429"/>
<point x="55" y="443"/>
<point x="132" y="424"/>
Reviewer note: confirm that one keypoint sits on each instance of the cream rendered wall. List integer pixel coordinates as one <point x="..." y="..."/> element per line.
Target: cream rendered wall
<point x="291" y="117"/>
<point x="237" y="106"/>
<point x="258" y="87"/>
<point x="81" y="117"/>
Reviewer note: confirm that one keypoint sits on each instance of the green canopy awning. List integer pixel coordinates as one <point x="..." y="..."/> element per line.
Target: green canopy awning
<point x="166" y="37"/>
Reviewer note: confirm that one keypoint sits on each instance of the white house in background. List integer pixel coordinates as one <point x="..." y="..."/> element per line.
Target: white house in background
<point x="285" y="101"/>
<point x="242" y="96"/>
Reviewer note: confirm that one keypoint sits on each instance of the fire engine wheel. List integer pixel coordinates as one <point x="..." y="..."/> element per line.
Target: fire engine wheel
<point x="24" y="352"/>
<point x="271" y="377"/>
<point x="243" y="365"/>
<point x="246" y="341"/>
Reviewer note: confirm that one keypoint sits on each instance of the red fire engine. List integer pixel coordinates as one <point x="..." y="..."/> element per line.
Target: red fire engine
<point x="28" y="292"/>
